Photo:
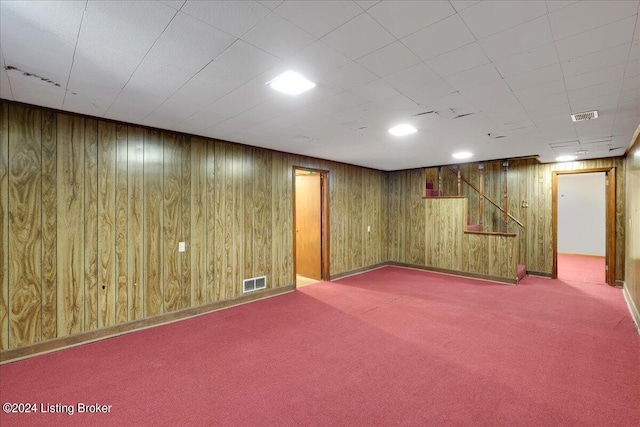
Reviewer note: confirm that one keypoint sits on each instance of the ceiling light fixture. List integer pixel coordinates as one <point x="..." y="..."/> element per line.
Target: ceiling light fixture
<point x="462" y="155"/>
<point x="402" y="130"/>
<point x="565" y="158"/>
<point x="291" y="83"/>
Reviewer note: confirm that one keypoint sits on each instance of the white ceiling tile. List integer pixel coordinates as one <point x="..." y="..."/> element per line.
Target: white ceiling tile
<point x="431" y="93"/>
<point x="490" y="17"/>
<point x="237" y="65"/>
<point x="553" y="5"/>
<point x="441" y="37"/>
<point x="606" y="102"/>
<point x="389" y="59"/>
<point x="530" y="60"/>
<point x="349" y="75"/>
<point x="597" y="39"/>
<point x="592" y="78"/>
<point x="490" y="94"/>
<point x="537" y="77"/>
<point x="315" y="60"/>
<point x="595" y="61"/>
<point x="399" y="102"/>
<point x="189" y="44"/>
<point x="461" y="5"/>
<point x="632" y="69"/>
<point x="474" y="77"/>
<point x="176" y="4"/>
<point x="233" y="17"/>
<point x="271" y="4"/>
<point x="40" y="37"/>
<point x="358" y="37"/>
<point x="35" y="92"/>
<point x="366" y="4"/>
<point x="318" y="17"/>
<point x="375" y="91"/>
<point x="455" y="61"/>
<point x="402" y="18"/>
<point x="603" y="89"/>
<point x="635" y="50"/>
<point x="545" y="102"/>
<point x="539" y="91"/>
<point x="412" y="78"/>
<point x="515" y="40"/>
<point x="586" y="15"/>
<point x="631" y="83"/>
<point x="5" y="84"/>
<point x="278" y="37"/>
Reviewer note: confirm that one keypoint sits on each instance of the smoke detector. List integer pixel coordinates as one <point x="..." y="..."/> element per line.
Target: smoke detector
<point x="587" y="115"/>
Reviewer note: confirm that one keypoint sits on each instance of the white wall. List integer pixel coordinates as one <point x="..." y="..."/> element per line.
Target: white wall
<point x="581" y="213"/>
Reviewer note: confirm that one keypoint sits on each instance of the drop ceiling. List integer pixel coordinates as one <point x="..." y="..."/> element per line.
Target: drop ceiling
<point x="499" y="79"/>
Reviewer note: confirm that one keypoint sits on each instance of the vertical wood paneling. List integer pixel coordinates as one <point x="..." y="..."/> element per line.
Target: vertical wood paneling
<point x="262" y="215"/>
<point x="49" y="225"/>
<point x="234" y="284"/>
<point x="91" y="225"/>
<point x="4" y="226"/>
<point x="111" y="201"/>
<point x="632" y="244"/>
<point x="185" y="219"/>
<point x="153" y="245"/>
<point x="106" y="224"/>
<point x="199" y="229"/>
<point x="25" y="227"/>
<point x="135" y="222"/>
<point x="70" y="207"/>
<point x="121" y="230"/>
<point x="171" y="222"/>
<point x="248" y="212"/>
<point x="219" y="231"/>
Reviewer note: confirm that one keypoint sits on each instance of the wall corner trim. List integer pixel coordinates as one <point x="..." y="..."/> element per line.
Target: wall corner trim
<point x="635" y="314"/>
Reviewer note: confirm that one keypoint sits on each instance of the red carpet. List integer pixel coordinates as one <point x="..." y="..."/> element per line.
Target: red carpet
<point x="581" y="268"/>
<point x="389" y="347"/>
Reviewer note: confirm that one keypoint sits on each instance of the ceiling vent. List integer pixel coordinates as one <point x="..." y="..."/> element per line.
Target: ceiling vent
<point x="587" y="115"/>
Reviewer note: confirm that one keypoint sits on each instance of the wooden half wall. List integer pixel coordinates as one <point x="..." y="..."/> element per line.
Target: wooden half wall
<point x="430" y="233"/>
<point x="529" y="181"/>
<point x="91" y="213"/>
<point x="632" y="260"/>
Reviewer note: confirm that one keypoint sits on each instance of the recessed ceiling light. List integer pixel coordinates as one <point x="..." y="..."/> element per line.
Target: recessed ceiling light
<point x="580" y="152"/>
<point x="291" y="83"/>
<point x="462" y="155"/>
<point x="402" y="130"/>
<point x="565" y="158"/>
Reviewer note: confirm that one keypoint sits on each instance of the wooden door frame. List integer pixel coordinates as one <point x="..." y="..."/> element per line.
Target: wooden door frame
<point x="324" y="221"/>
<point x="610" y="215"/>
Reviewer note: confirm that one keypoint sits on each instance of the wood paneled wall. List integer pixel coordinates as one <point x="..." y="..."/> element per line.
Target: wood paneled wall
<point x="91" y="213"/>
<point x="632" y="259"/>
<point x="529" y="180"/>
<point x="430" y="233"/>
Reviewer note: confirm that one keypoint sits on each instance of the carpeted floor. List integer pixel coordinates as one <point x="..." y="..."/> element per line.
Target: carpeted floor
<point x="393" y="346"/>
<point x="581" y="268"/>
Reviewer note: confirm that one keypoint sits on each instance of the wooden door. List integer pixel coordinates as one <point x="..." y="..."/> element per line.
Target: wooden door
<point x="308" y="226"/>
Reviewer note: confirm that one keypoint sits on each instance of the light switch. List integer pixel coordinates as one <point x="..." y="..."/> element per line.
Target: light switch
<point x="181" y="247"/>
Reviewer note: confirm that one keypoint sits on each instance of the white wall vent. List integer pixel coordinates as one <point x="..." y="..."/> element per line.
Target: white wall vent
<point x="587" y="115"/>
<point x="254" y="284"/>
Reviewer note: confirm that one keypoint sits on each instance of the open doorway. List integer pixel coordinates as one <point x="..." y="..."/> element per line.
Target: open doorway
<point x="584" y="225"/>
<point x="310" y="226"/>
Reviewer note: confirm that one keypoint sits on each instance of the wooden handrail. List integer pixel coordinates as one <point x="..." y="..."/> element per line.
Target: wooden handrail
<point x="487" y="198"/>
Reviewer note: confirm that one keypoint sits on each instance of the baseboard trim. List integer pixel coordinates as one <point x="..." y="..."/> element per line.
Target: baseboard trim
<point x="635" y="314"/>
<point x="539" y="273"/>
<point x="506" y="280"/>
<point x="56" y="344"/>
<point x="358" y="271"/>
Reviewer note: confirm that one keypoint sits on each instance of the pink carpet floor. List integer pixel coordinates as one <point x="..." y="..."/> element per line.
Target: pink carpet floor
<point x="582" y="269"/>
<point x="393" y="346"/>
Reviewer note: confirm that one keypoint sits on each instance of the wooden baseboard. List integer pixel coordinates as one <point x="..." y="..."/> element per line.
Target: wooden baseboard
<point x="635" y="314"/>
<point x="585" y="255"/>
<point x="507" y="280"/>
<point x="358" y="271"/>
<point x="539" y="273"/>
<point x="56" y="344"/>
